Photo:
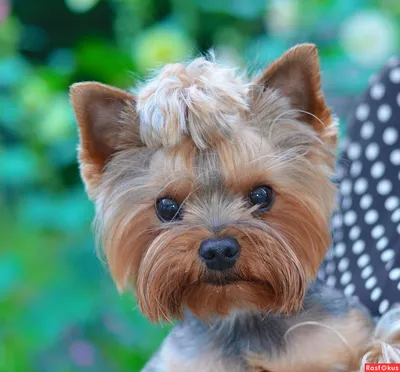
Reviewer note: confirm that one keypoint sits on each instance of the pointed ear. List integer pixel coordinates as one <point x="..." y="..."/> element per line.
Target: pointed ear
<point x="107" y="122"/>
<point x="297" y="75"/>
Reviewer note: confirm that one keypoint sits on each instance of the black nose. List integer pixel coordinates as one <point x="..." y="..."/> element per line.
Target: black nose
<point x="219" y="254"/>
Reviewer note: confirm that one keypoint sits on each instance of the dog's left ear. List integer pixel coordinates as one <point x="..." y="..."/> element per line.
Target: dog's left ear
<point x="296" y="74"/>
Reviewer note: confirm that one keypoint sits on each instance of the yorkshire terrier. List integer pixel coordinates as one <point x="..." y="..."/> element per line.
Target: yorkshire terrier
<point x="213" y="196"/>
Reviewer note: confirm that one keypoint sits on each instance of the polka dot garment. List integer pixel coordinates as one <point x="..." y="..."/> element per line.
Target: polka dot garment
<point x="364" y="260"/>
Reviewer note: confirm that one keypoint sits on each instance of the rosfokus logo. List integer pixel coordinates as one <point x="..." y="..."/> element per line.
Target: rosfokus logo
<point x="385" y="367"/>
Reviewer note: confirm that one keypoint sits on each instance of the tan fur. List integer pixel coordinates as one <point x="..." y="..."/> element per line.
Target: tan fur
<point x="297" y="75"/>
<point x="207" y="137"/>
<point x="385" y="344"/>
<point x="105" y="116"/>
<point x="202" y="99"/>
<point x="330" y="346"/>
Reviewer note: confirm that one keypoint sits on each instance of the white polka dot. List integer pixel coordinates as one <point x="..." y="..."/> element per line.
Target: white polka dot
<point x="367" y="130"/>
<point x="377" y="91"/>
<point x="346" y="277"/>
<point x="371" y="216"/>
<point x="337" y="221"/>
<point x="350" y="218"/>
<point x="384" y="187"/>
<point x="384" y="305"/>
<point x="387" y="255"/>
<point x="377" y="231"/>
<point x="372" y="151"/>
<point x="398" y="99"/>
<point x="355" y="168"/>
<point x="394" y="274"/>
<point x="371" y="282"/>
<point x="343" y="264"/>
<point x="384" y="113"/>
<point x="395" y="157"/>
<point x="367" y="271"/>
<point x="382" y="243"/>
<point x="354" y="232"/>
<point x="349" y="290"/>
<point x="331" y="281"/>
<point x="330" y="268"/>
<point x="345" y="187"/>
<point x="376" y="293"/>
<point x="398" y="286"/>
<point x="365" y="201"/>
<point x="360" y="186"/>
<point x="340" y="170"/>
<point x="396" y="216"/>
<point x="329" y="255"/>
<point x="390" y="136"/>
<point x="346" y="202"/>
<point x="358" y="247"/>
<point x="377" y="169"/>
<point x="362" y="111"/>
<point x="394" y="76"/>
<point x="354" y="151"/>
<point x="392" y="202"/>
<point x="363" y="260"/>
<point x="340" y="249"/>
<point x="389" y="265"/>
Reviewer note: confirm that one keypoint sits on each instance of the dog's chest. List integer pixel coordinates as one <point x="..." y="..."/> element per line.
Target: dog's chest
<point x="223" y="346"/>
<point x="247" y="342"/>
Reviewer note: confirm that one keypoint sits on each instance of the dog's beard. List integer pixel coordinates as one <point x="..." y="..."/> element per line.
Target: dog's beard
<point x="280" y="250"/>
<point x="270" y="275"/>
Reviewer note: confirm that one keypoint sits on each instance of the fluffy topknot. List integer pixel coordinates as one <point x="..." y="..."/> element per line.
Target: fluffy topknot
<point x="202" y="99"/>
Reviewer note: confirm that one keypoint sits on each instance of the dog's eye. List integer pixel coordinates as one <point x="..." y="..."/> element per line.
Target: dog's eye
<point x="168" y="210"/>
<point x="263" y="196"/>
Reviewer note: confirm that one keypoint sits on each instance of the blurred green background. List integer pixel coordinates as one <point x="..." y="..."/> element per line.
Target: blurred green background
<point x="59" y="311"/>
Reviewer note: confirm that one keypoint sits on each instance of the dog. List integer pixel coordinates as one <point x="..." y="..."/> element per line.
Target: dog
<point x="213" y="195"/>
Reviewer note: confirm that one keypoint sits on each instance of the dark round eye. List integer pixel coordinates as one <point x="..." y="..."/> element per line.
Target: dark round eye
<point x="263" y="196"/>
<point x="168" y="210"/>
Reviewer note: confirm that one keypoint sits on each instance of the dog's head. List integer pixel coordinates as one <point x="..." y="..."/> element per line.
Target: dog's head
<point x="212" y="191"/>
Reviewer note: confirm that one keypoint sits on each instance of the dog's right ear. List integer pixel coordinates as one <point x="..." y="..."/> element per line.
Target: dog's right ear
<point x="107" y="123"/>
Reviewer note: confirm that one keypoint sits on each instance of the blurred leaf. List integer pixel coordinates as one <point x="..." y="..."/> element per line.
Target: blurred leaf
<point x="18" y="166"/>
<point x="9" y="36"/>
<point x="10" y="274"/>
<point x="13" y="70"/>
<point x="69" y="211"/>
<point x="160" y="45"/>
<point x="81" y="6"/>
<point x="57" y="120"/>
<point x="241" y="9"/>
<point x="116" y="66"/>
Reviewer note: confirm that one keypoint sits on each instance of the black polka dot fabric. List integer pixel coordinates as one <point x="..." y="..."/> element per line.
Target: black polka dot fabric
<point x="364" y="260"/>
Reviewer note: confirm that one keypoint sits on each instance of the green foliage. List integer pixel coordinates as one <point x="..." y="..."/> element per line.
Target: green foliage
<point x="59" y="310"/>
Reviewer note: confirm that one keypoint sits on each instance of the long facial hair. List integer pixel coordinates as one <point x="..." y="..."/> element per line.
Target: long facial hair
<point x="204" y="136"/>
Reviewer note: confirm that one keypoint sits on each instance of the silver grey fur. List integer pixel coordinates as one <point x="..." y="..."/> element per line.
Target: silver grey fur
<point x="231" y="338"/>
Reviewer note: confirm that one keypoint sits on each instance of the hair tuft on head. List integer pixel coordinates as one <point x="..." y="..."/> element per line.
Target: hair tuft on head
<point x="202" y="100"/>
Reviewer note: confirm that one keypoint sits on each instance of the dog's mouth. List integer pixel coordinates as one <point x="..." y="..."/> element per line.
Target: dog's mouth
<point x="220" y="282"/>
<point x="220" y="278"/>
<point x="229" y="277"/>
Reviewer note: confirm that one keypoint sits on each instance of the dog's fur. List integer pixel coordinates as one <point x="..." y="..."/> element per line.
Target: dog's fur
<point x="205" y="136"/>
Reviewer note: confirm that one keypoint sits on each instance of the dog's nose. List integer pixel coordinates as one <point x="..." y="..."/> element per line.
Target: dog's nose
<point x="219" y="254"/>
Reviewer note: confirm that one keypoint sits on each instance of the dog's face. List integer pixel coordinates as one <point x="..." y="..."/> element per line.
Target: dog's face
<point x="212" y="192"/>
